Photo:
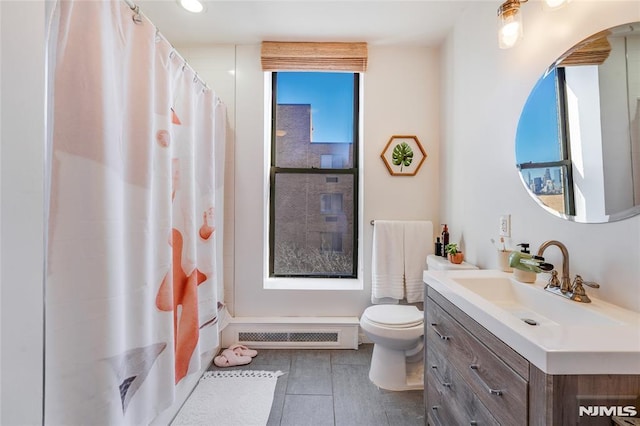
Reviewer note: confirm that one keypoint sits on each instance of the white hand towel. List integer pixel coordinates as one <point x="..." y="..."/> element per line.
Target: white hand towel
<point x="418" y="243"/>
<point x="387" y="269"/>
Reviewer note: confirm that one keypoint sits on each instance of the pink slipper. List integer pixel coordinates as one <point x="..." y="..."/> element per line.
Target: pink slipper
<point x="229" y="358"/>
<point x="243" y="350"/>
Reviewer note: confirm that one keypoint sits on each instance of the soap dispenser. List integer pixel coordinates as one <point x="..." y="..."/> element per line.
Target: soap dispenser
<point x="520" y="271"/>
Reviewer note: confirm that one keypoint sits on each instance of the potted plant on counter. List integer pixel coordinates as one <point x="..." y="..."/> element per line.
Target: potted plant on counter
<point x="455" y="255"/>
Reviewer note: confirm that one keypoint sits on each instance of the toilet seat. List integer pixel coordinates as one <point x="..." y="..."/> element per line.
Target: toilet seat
<point x="394" y="316"/>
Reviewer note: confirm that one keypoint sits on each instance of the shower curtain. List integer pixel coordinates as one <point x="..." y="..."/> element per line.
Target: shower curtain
<point x="131" y="295"/>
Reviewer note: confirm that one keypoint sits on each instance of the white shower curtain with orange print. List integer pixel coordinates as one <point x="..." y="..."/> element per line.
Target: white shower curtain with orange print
<point x="131" y="294"/>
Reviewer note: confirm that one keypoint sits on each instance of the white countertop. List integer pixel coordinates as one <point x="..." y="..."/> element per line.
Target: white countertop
<point x="573" y="341"/>
<point x="440" y="263"/>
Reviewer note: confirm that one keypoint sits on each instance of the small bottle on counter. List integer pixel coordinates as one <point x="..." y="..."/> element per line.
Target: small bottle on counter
<point x="445" y="239"/>
<point x="438" y="247"/>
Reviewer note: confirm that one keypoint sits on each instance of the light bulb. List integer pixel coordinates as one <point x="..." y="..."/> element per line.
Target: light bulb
<point x="510" y="33"/>
<point x="194" y="6"/>
<point x="509" y="24"/>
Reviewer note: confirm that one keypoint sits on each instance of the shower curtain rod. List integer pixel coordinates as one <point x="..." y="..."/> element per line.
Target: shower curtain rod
<point x="137" y="18"/>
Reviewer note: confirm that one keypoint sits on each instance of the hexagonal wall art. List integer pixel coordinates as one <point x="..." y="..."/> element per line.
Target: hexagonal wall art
<point x="403" y="155"/>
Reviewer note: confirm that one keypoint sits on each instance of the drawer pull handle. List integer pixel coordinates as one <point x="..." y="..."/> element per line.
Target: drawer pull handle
<point x="442" y="382"/>
<point x="496" y="392"/>
<point x="440" y="335"/>
<point x="434" y="409"/>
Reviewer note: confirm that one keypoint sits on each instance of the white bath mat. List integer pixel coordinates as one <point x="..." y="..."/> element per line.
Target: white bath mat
<point x="229" y="398"/>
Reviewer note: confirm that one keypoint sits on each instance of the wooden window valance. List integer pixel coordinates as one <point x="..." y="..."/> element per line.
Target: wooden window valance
<point x="334" y="56"/>
<point x="593" y="51"/>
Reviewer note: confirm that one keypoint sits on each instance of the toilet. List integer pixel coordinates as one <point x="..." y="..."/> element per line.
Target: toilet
<point x="397" y="333"/>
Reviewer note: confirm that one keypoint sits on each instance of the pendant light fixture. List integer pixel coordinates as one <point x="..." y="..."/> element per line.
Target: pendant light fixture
<point x="509" y="23"/>
<point x="510" y="20"/>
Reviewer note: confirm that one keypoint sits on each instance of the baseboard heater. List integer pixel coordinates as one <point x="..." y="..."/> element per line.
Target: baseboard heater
<point x="292" y="332"/>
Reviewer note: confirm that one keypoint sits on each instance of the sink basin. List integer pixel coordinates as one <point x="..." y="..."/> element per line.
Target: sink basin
<point x="557" y="335"/>
<point x="527" y="301"/>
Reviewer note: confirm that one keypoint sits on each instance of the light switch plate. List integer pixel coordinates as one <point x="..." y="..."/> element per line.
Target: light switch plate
<point x="505" y="226"/>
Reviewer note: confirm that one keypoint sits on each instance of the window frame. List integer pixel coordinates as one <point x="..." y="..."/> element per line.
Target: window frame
<point x="565" y="163"/>
<point x="350" y="281"/>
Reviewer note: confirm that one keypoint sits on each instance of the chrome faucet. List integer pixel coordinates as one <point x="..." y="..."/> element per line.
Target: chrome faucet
<point x="565" y="282"/>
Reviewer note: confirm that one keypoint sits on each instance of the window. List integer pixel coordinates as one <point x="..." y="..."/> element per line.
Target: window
<point x="330" y="161"/>
<point x="313" y="182"/>
<point x="330" y="203"/>
<point x="545" y="156"/>
<point x="331" y="242"/>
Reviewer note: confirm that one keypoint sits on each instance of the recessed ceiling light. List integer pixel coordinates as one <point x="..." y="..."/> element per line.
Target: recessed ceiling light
<point x="194" y="6"/>
<point x="554" y="4"/>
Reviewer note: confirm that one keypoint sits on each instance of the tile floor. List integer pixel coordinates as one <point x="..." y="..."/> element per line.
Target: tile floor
<point x="332" y="387"/>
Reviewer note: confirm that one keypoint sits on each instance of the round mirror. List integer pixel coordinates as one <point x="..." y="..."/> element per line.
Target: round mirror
<point x="578" y="138"/>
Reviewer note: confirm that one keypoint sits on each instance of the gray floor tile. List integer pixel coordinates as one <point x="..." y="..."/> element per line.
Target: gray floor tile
<point x="308" y="410"/>
<point x="273" y="356"/>
<point x="361" y="356"/>
<point x="310" y="373"/>
<point x="399" y="417"/>
<point x="404" y="408"/>
<point x="357" y="401"/>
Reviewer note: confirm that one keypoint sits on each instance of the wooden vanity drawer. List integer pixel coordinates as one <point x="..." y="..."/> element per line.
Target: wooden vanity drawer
<point x="499" y="387"/>
<point x="438" y="412"/>
<point x="456" y="398"/>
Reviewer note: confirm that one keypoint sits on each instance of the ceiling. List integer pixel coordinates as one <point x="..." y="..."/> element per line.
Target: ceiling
<point x="378" y="22"/>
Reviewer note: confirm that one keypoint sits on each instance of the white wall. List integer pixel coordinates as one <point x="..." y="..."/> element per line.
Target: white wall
<point x="633" y="55"/>
<point x="617" y="95"/>
<point x="400" y="97"/>
<point x="586" y="138"/>
<point x="22" y="210"/>
<point x="484" y="91"/>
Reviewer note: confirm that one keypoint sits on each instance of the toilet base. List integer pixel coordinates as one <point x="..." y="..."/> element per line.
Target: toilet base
<point x="391" y="370"/>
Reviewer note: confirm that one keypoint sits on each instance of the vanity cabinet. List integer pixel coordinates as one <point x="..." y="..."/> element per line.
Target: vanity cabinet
<point x="463" y="359"/>
<point x="473" y="378"/>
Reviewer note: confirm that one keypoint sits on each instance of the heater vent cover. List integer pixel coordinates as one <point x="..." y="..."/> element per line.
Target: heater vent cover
<point x="308" y="336"/>
<point x="292" y="332"/>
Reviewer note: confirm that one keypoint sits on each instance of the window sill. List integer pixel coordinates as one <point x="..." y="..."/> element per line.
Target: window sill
<point x="313" y="284"/>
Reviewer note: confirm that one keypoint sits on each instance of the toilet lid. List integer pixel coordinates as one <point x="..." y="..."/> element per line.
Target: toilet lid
<point x="394" y="315"/>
